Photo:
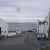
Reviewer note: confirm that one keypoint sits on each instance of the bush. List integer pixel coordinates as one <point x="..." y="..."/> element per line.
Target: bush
<point x="2" y="36"/>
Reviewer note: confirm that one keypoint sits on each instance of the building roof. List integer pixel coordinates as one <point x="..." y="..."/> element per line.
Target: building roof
<point x="3" y="21"/>
<point x="42" y="22"/>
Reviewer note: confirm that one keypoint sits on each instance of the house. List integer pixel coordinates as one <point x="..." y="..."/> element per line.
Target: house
<point x="41" y="26"/>
<point x="47" y="26"/>
<point x="3" y="28"/>
<point x="44" y="26"/>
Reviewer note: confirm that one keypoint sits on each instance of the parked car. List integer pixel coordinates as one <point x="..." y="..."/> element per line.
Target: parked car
<point x="29" y="30"/>
<point x="41" y="36"/>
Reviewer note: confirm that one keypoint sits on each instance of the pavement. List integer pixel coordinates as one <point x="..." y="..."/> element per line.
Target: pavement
<point x="26" y="41"/>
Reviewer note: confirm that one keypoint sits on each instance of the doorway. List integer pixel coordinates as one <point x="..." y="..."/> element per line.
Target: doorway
<point x="0" y="30"/>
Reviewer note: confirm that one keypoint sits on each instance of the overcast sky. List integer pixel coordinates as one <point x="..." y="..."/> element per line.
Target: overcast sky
<point x="23" y="10"/>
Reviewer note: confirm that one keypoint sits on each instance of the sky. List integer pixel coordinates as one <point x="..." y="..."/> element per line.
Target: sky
<point x="23" y="10"/>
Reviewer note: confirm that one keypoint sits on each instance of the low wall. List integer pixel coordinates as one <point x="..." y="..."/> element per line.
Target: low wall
<point x="11" y="34"/>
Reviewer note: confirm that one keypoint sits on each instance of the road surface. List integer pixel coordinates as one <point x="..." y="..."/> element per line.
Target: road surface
<point x="26" y="41"/>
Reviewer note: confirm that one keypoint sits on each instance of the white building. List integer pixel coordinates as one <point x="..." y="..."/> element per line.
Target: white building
<point x="44" y="26"/>
<point x="41" y="27"/>
<point x="3" y="28"/>
<point x="47" y="26"/>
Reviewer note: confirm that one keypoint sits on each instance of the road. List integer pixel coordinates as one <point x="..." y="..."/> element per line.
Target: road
<point x="26" y="41"/>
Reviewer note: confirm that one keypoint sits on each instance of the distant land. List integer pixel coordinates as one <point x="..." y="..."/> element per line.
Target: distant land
<point x="21" y="26"/>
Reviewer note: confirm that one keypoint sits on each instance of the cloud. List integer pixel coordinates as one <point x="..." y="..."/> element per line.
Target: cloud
<point x="33" y="9"/>
<point x="19" y="19"/>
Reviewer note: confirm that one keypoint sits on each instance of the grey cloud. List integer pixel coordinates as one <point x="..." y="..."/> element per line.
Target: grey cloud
<point x="28" y="9"/>
<point x="10" y="19"/>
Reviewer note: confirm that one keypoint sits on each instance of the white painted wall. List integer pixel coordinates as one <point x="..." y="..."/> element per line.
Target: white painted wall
<point x="47" y="26"/>
<point x="4" y="27"/>
<point x="42" y="28"/>
<point x="37" y="28"/>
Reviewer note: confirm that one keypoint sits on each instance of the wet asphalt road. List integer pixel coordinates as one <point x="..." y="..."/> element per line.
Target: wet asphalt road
<point x="26" y="41"/>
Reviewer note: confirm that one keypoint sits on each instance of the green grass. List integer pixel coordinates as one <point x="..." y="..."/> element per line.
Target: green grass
<point x="10" y="31"/>
<point x="24" y="31"/>
<point x="15" y="31"/>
